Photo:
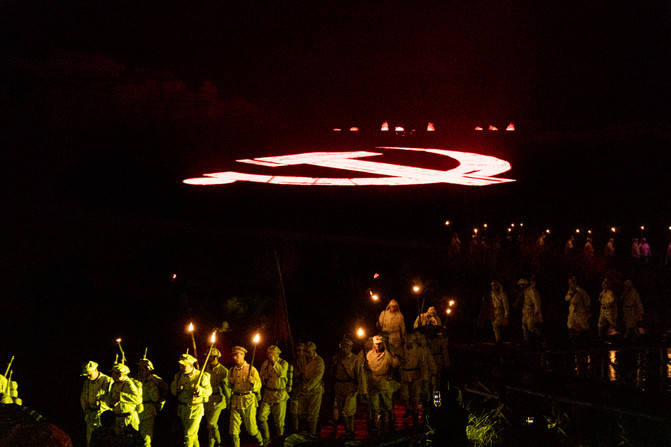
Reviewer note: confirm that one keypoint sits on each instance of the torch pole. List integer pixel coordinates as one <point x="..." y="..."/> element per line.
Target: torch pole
<point x="251" y="365"/>
<point x="8" y="385"/>
<point x="202" y="371"/>
<point x="9" y="366"/>
<point x="123" y="354"/>
<point x="144" y="357"/>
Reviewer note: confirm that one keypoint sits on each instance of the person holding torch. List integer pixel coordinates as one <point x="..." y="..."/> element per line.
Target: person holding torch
<point x="221" y="395"/>
<point x="192" y="389"/>
<point x="246" y="384"/>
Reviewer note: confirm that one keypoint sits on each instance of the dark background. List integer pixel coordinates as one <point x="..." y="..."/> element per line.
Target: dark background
<point x="106" y="107"/>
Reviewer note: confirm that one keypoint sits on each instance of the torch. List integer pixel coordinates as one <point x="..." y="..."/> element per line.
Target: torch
<point x="255" y="340"/>
<point x="144" y="357"/>
<point x="207" y="358"/>
<point x="193" y="341"/>
<point x="9" y="382"/>
<point x="9" y="366"/>
<point x="123" y="354"/>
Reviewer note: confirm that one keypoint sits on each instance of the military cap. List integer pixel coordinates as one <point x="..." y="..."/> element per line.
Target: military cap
<point x="431" y="311"/>
<point x="147" y="363"/>
<point x="310" y="346"/>
<point x="121" y="368"/>
<point x="215" y="353"/>
<point x="377" y="339"/>
<point x="186" y="359"/>
<point x="89" y="366"/>
<point x="237" y="349"/>
<point x="346" y="341"/>
<point x="523" y="282"/>
<point x="273" y="348"/>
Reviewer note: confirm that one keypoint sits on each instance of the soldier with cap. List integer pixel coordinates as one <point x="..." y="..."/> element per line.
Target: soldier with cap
<point x="349" y="381"/>
<point x="578" y="310"/>
<point x="221" y="395"/>
<point x="295" y="396"/>
<point x="154" y="392"/>
<point x="500" y="310"/>
<point x="9" y="391"/>
<point x="191" y="396"/>
<point x="608" y="315"/>
<point x="93" y="398"/>
<point x="124" y="399"/>
<point x="312" y="387"/>
<point x="392" y="323"/>
<point x="274" y="380"/>
<point x="414" y="371"/>
<point x="246" y="384"/>
<point x="531" y="308"/>
<point x="380" y="363"/>
<point x="632" y="309"/>
<point x="428" y="318"/>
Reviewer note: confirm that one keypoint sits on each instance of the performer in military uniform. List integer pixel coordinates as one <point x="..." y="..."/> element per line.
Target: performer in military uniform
<point x="190" y="397"/>
<point x="380" y="362"/>
<point x="154" y="391"/>
<point x="93" y="397"/>
<point x="221" y="395"/>
<point x="349" y="381"/>
<point x="274" y="380"/>
<point x="414" y="372"/>
<point x="312" y="387"/>
<point x="295" y="396"/>
<point x="245" y="384"/>
<point x="124" y="398"/>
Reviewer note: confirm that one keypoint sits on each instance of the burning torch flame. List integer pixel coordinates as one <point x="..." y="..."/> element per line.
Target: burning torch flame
<point x="416" y="289"/>
<point x="190" y="328"/>
<point x="376" y="276"/>
<point x="375" y="297"/>
<point x="448" y="311"/>
<point x="447" y="223"/>
<point x="360" y="333"/>
<point x="547" y="231"/>
<point x="257" y="338"/>
<point x="118" y="340"/>
<point x="213" y="337"/>
<point x="451" y="303"/>
<point x="612" y="229"/>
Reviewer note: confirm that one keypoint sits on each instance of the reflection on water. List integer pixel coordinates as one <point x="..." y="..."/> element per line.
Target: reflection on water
<point x="612" y="365"/>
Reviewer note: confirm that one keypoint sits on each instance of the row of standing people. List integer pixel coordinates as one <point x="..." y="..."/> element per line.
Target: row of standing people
<point x="579" y="309"/>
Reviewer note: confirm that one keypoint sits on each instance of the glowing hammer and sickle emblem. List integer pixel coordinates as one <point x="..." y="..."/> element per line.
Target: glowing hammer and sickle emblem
<point x="473" y="170"/>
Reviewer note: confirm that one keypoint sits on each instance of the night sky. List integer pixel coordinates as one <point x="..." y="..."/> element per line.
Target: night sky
<point x="106" y="107"/>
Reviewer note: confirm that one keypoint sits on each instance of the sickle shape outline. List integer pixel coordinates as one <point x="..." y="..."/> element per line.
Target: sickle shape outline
<point x="473" y="170"/>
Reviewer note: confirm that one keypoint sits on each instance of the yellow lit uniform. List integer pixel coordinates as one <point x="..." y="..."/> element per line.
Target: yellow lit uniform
<point x="244" y="402"/>
<point x="124" y="399"/>
<point x="275" y="396"/>
<point x="221" y="394"/>
<point x="93" y="402"/>
<point x="189" y="405"/>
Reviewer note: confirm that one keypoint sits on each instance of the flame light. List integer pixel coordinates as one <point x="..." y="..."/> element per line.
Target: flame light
<point x="399" y="129"/>
<point x="213" y="337"/>
<point x="478" y="128"/>
<point x="510" y="128"/>
<point x="451" y="303"/>
<point x="384" y="127"/>
<point x="447" y="223"/>
<point x="473" y="170"/>
<point x="613" y="229"/>
<point x="353" y="129"/>
<point x="416" y="288"/>
<point x="492" y="128"/>
<point x="448" y="311"/>
<point x="257" y="338"/>
<point x="430" y="127"/>
<point x="360" y="333"/>
<point x="190" y="328"/>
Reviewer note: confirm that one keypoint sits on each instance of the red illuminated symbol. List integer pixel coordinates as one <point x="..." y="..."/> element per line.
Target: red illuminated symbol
<point x="384" y="127"/>
<point x="353" y="129"/>
<point x="492" y="127"/>
<point x="430" y="127"/>
<point x="337" y="129"/>
<point x="473" y="170"/>
<point x="478" y="128"/>
<point x="399" y="129"/>
<point x="511" y="127"/>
